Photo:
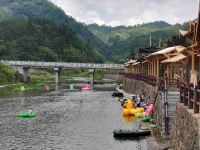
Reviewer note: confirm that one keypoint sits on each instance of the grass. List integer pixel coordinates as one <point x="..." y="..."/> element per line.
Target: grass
<point x="44" y="77"/>
<point x="36" y="83"/>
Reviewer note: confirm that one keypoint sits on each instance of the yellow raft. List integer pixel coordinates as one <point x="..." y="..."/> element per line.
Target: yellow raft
<point x="133" y="111"/>
<point x="129" y="109"/>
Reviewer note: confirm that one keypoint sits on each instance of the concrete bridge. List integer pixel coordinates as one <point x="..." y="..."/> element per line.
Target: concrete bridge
<point x="24" y="66"/>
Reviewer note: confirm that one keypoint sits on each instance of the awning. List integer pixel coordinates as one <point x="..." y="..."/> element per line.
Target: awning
<point x="183" y="33"/>
<point x="131" y="61"/>
<point x="136" y="63"/>
<point x="127" y="65"/>
<point x="168" y="50"/>
<point x="174" y="59"/>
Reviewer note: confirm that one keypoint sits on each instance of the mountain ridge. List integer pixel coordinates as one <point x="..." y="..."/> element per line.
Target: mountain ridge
<point x="113" y="43"/>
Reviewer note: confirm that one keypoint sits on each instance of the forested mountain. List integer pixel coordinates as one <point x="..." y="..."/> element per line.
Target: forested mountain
<point x="10" y="9"/>
<point x="106" y="32"/>
<point x="43" y="40"/>
<point x="19" y="19"/>
<point x="125" y="41"/>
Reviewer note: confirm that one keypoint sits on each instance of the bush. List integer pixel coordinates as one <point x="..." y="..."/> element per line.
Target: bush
<point x="8" y="75"/>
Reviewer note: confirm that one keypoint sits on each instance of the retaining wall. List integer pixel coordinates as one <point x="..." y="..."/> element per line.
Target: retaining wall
<point x="137" y="87"/>
<point x="186" y="129"/>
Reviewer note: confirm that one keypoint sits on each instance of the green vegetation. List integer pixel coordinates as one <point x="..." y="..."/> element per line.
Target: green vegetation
<point x="39" y="30"/>
<point x="43" y="40"/>
<point x="124" y="42"/>
<point x="39" y="72"/>
<point x="8" y="75"/>
<point x="45" y="9"/>
<point x="99" y="74"/>
<point x="39" y="82"/>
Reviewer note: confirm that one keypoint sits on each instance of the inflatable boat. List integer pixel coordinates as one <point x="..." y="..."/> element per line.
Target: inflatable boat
<point x="86" y="88"/>
<point x="26" y="115"/>
<point x="130" y="133"/>
<point x="147" y="119"/>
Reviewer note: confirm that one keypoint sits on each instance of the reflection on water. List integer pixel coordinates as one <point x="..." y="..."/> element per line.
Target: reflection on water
<point x="129" y="120"/>
<point x="56" y="87"/>
<point x="22" y="104"/>
<point x="67" y="121"/>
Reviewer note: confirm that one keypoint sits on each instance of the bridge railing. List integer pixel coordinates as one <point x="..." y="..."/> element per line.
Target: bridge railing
<point x="63" y="64"/>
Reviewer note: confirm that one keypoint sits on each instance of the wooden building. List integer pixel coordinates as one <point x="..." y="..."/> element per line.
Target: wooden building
<point x="193" y="51"/>
<point x="154" y="65"/>
<point x="129" y="66"/>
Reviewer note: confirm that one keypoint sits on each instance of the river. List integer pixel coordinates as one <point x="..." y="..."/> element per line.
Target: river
<point x="67" y="120"/>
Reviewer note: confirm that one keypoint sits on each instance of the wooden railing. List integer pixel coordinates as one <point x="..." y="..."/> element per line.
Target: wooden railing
<point x="147" y="79"/>
<point x="190" y="97"/>
<point x="154" y="81"/>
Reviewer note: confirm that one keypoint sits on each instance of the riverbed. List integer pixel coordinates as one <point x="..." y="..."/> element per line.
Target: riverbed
<point x="67" y="120"/>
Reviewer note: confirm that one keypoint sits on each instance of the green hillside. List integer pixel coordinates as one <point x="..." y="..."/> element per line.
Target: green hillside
<point x="92" y="42"/>
<point x="106" y="32"/>
<point x="43" y="40"/>
<point x="45" y="9"/>
<point x="125" y="41"/>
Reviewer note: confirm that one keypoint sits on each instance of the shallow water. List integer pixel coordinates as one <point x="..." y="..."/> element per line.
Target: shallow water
<point x="67" y="121"/>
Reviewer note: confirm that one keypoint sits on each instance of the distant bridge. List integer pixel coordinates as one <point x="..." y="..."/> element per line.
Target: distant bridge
<point x="24" y="66"/>
<point x="36" y="64"/>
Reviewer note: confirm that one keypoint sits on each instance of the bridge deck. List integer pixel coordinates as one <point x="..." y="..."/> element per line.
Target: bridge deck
<point x="35" y="64"/>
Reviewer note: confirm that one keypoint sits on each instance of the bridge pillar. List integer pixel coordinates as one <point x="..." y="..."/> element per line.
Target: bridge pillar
<point x="57" y="74"/>
<point x="25" y="75"/>
<point x="91" y="71"/>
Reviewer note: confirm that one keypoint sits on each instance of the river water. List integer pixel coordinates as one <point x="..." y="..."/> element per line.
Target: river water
<point x="67" y="120"/>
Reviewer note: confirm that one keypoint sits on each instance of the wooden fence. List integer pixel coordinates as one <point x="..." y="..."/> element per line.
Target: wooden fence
<point x="190" y="97"/>
<point x="147" y="79"/>
<point x="153" y="81"/>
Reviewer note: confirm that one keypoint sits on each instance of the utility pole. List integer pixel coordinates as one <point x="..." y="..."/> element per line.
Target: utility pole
<point x="160" y="39"/>
<point x="150" y="40"/>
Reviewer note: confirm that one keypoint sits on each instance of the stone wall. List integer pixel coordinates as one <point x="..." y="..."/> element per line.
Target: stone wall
<point x="136" y="87"/>
<point x="186" y="129"/>
<point x="158" y="113"/>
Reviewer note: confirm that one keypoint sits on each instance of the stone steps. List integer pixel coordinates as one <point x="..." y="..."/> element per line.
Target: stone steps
<point x="172" y="98"/>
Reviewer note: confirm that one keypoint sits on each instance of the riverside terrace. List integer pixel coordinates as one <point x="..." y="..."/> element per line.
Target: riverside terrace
<point x="24" y="66"/>
<point x="174" y="74"/>
<point x="179" y="65"/>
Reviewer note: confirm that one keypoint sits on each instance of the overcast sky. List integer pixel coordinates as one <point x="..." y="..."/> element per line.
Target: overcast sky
<point x="129" y="12"/>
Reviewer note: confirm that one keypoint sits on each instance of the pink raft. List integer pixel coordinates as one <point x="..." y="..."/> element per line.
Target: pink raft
<point x="149" y="110"/>
<point x="86" y="87"/>
<point x="46" y="88"/>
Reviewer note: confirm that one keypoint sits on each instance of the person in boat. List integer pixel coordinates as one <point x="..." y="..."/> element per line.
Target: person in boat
<point x="29" y="110"/>
<point x="138" y="100"/>
<point x="123" y="101"/>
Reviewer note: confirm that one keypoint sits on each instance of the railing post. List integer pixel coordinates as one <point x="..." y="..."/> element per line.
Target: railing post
<point x="190" y="91"/>
<point x="166" y="106"/>
<point x="196" y="106"/>
<point x="178" y="83"/>
<point x="185" y="96"/>
<point x="181" y="93"/>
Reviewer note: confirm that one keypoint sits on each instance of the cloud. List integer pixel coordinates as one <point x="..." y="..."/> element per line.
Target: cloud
<point x="129" y="12"/>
